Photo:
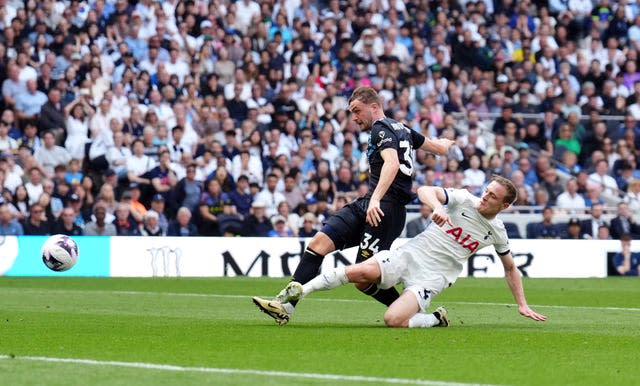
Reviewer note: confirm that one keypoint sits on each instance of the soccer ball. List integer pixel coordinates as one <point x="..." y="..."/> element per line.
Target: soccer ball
<point x="59" y="253"/>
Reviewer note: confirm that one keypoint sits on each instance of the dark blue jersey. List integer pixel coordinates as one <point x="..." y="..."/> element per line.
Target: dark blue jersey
<point x="388" y="133"/>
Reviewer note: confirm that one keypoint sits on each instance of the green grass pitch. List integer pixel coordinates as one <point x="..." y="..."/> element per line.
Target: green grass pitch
<point x="63" y="331"/>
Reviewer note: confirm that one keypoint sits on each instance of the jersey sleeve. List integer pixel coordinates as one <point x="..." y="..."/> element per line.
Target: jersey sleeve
<point x="502" y="247"/>
<point x="382" y="137"/>
<point x="456" y="196"/>
<point x="417" y="139"/>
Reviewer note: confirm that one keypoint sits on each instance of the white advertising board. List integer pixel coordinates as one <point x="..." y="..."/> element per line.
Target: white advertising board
<point x="278" y="257"/>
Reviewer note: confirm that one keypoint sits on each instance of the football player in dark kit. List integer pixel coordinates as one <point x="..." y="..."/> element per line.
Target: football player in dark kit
<point x="374" y="221"/>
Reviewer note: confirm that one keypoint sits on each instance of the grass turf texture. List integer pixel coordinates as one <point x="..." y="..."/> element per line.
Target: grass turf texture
<point x="591" y="337"/>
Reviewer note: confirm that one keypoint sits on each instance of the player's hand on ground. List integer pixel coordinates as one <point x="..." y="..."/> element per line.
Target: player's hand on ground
<point x="374" y="213"/>
<point x="529" y="313"/>
<point x="440" y="217"/>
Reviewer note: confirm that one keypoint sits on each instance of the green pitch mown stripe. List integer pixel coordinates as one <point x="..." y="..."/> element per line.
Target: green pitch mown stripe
<point x="284" y="374"/>
<point x="188" y="294"/>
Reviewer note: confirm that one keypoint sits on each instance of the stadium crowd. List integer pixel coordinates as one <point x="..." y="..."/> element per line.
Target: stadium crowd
<point x="229" y="118"/>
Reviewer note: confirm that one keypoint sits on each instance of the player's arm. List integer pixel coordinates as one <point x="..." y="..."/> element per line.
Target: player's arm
<point x="512" y="275"/>
<point x="437" y="146"/>
<point x="435" y="197"/>
<point x="388" y="172"/>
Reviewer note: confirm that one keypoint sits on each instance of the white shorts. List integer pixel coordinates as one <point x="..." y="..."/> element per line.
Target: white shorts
<point x="398" y="266"/>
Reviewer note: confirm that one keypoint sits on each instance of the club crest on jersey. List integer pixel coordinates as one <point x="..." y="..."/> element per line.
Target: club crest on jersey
<point x="381" y="134"/>
<point x="466" y="242"/>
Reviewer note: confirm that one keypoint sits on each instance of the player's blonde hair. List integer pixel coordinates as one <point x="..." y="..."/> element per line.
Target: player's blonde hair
<point x="366" y="95"/>
<point x="512" y="192"/>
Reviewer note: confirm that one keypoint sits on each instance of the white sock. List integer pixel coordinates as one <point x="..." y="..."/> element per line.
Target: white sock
<point x="289" y="308"/>
<point x="423" y="320"/>
<point x="326" y="281"/>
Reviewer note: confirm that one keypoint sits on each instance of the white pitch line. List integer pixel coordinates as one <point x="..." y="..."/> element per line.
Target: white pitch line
<point x="196" y="295"/>
<point x="283" y="374"/>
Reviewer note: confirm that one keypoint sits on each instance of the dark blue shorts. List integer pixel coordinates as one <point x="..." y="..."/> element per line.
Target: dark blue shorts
<point x="348" y="227"/>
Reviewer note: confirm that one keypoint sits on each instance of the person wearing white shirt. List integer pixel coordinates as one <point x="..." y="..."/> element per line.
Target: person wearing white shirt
<point x="600" y="177"/>
<point x="34" y="185"/>
<point x="100" y="122"/>
<point x="51" y="155"/>
<point x="7" y="144"/>
<point x="176" y="65"/>
<point x="270" y="196"/>
<point x="118" y="154"/>
<point x="13" y="173"/>
<point x="248" y="165"/>
<point x="139" y="163"/>
<point x="162" y="109"/>
<point x="245" y="11"/>
<point x="570" y="199"/>
<point x="634" y="33"/>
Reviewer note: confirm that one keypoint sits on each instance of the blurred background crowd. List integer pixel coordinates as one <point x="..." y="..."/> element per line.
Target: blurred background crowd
<point x="124" y="117"/>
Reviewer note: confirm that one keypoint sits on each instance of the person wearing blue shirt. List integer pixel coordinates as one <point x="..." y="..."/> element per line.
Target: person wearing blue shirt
<point x="8" y="225"/>
<point x="29" y="103"/>
<point x="625" y="261"/>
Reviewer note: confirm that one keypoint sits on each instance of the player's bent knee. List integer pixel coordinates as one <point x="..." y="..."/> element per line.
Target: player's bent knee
<point x="392" y="319"/>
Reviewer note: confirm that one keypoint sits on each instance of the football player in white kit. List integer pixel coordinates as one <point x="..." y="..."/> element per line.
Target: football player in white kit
<point x="432" y="261"/>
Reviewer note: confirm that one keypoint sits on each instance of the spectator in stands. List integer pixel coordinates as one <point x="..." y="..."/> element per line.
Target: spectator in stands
<point x="599" y="176"/>
<point x="590" y="226"/>
<point x="627" y="263"/>
<point x="34" y="185"/>
<point x="182" y="225"/>
<point x="37" y="223"/>
<point x="158" y="205"/>
<point x="8" y="225"/>
<point x="269" y="195"/>
<point x="551" y="184"/>
<point x="78" y="113"/>
<point x="229" y="220"/>
<point x="30" y="101"/>
<point x="210" y="206"/>
<point x="420" y="223"/>
<point x="280" y="228"/>
<point x="572" y="230"/>
<point x="292" y="218"/>
<point x="51" y="155"/>
<point x="150" y="225"/>
<point x="309" y="225"/>
<point x="570" y="200"/>
<point x="139" y="164"/>
<point x="257" y="224"/>
<point x="163" y="179"/>
<point x="66" y="225"/>
<point x="545" y="229"/>
<point x="7" y="144"/>
<point x="623" y="223"/>
<point x="125" y="224"/>
<point x="12" y="86"/>
<point x="99" y="227"/>
<point x="292" y="192"/>
<point x="54" y="117"/>
<point x="188" y="190"/>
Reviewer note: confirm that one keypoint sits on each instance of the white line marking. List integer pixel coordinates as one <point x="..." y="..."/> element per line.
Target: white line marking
<point x="196" y="295"/>
<point x="284" y="374"/>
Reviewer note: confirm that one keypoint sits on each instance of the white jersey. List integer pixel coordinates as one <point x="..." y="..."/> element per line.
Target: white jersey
<point x="444" y="250"/>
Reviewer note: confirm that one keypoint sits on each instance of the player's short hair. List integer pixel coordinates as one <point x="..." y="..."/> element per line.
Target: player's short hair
<point x="512" y="192"/>
<point x="366" y="95"/>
